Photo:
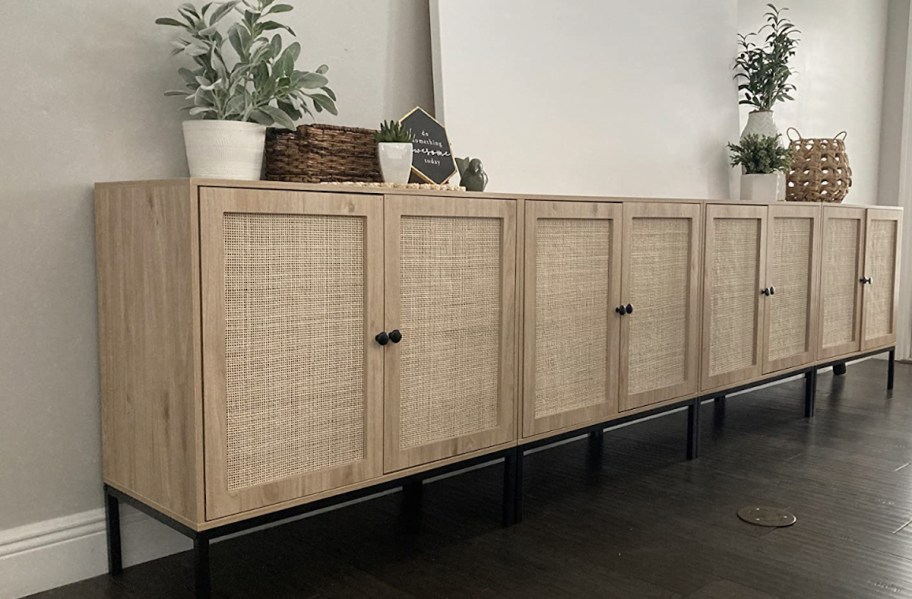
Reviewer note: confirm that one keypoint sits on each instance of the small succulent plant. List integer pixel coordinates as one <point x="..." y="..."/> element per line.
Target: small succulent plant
<point x="760" y="154"/>
<point x="393" y="132"/>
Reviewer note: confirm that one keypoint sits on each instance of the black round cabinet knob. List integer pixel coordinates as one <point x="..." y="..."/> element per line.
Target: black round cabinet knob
<point x="395" y="336"/>
<point x="621" y="310"/>
<point x="766" y="291"/>
<point x="382" y="338"/>
<point x="629" y="309"/>
<point x="772" y="291"/>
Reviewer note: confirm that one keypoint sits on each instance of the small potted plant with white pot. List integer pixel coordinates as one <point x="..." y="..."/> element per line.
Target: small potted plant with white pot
<point x="235" y="95"/>
<point x="762" y="158"/>
<point x="762" y="70"/>
<point x="394" y="149"/>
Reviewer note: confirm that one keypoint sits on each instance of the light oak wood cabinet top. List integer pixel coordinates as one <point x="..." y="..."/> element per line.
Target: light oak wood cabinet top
<point x="264" y="345"/>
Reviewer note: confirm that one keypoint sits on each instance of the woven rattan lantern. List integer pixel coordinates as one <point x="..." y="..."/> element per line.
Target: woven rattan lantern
<point x="820" y="169"/>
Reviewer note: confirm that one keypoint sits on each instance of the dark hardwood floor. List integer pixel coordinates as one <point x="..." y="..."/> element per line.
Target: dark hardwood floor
<point x="645" y="524"/>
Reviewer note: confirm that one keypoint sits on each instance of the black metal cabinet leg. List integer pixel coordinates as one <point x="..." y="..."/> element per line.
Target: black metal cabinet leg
<point x="112" y="516"/>
<point x="719" y="410"/>
<point x="412" y="491"/>
<point x="839" y="368"/>
<point x="596" y="447"/>
<point x="891" y="368"/>
<point x="693" y="430"/>
<point x="510" y="487"/>
<point x="810" y="392"/>
<point x="518" y="487"/>
<point x="201" y="567"/>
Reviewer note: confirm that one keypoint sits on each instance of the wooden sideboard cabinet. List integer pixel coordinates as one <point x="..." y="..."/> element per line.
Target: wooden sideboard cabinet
<point x="271" y="348"/>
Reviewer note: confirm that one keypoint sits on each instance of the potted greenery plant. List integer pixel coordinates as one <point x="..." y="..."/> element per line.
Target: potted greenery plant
<point x="394" y="149"/>
<point x="764" y="160"/>
<point x="236" y="95"/>
<point x="763" y="71"/>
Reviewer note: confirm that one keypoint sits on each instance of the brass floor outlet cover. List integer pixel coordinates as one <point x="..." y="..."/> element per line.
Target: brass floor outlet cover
<point x="774" y="517"/>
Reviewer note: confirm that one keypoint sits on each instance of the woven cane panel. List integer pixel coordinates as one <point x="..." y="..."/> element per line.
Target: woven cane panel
<point x="735" y="289"/>
<point x="659" y="291"/>
<point x="450" y="298"/>
<point x="881" y="269"/>
<point x="294" y="302"/>
<point x="572" y="260"/>
<point x="840" y="280"/>
<point x="789" y="271"/>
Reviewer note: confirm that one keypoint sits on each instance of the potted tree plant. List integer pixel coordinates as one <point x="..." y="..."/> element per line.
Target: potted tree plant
<point x="763" y="71"/>
<point x="394" y="149"/>
<point x="763" y="158"/>
<point x="235" y="97"/>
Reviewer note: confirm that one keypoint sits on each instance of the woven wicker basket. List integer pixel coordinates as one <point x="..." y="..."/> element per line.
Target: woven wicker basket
<point x="820" y="169"/>
<point x="320" y="154"/>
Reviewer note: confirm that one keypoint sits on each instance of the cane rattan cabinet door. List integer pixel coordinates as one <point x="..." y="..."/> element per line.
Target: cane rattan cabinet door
<point x="881" y="273"/>
<point x="572" y="281"/>
<point x="450" y="288"/>
<point x="660" y="282"/>
<point x="792" y="272"/>
<point x="292" y="297"/>
<point x="733" y="294"/>
<point x="841" y="265"/>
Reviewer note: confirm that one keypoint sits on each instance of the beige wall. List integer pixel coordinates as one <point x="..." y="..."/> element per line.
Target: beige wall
<point x="82" y="103"/>
<point x="840" y="64"/>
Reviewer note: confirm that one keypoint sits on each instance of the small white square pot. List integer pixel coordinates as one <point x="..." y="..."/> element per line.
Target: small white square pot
<point x="395" y="161"/>
<point x="760" y="188"/>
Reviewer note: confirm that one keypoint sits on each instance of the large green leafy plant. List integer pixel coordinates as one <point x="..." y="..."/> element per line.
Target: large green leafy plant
<point x="760" y="155"/>
<point x="255" y="80"/>
<point x="763" y="68"/>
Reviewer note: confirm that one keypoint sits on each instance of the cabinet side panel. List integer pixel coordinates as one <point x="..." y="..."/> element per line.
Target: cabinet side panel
<point x="149" y="353"/>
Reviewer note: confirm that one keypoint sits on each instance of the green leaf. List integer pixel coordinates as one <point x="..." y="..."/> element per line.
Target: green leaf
<point x="221" y="11"/>
<point x="174" y="92"/>
<point x="258" y="116"/>
<point x="170" y="22"/>
<point x="322" y="69"/>
<point x="280" y="8"/>
<point x="325" y="103"/>
<point x="279" y="116"/>
<point x="329" y="93"/>
<point x="313" y="81"/>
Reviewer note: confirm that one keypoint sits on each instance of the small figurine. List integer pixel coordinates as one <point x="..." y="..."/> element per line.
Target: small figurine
<point x="471" y="174"/>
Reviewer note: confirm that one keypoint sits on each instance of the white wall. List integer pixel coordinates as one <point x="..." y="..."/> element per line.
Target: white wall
<point x="599" y="97"/>
<point x="636" y="98"/>
<point x="840" y="64"/>
<point x="82" y="102"/>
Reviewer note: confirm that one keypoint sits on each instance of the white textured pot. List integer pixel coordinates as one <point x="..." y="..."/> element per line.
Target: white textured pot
<point x="225" y="149"/>
<point x="760" y="188"/>
<point x="395" y="161"/>
<point x="760" y="122"/>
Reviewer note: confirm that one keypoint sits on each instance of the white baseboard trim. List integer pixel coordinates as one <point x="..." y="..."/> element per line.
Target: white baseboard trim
<point x="45" y="555"/>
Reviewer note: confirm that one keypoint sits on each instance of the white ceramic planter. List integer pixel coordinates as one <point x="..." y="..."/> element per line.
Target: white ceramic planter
<point x="760" y="122"/>
<point x="225" y="149"/>
<point x="760" y="188"/>
<point x="395" y="161"/>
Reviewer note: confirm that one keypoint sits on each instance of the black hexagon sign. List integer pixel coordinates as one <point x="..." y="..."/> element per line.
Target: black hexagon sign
<point x="432" y="158"/>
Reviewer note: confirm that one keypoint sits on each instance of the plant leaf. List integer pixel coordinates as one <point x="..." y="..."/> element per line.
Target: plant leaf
<point x="170" y="22"/>
<point x="279" y="116"/>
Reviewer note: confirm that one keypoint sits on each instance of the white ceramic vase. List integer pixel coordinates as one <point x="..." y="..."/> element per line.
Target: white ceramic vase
<point x="760" y="122"/>
<point x="760" y="188"/>
<point x="225" y="149"/>
<point x="395" y="161"/>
